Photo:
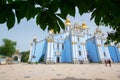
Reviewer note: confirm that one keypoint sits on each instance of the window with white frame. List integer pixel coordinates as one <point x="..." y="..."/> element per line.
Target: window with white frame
<point x="78" y="38"/>
<point x="79" y="53"/>
<point x="104" y="54"/>
<point x="62" y="46"/>
<point x="78" y="46"/>
<point x="57" y="45"/>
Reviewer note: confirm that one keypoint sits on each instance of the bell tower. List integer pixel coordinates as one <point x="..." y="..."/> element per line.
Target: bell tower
<point x="49" y="54"/>
<point x="67" y="24"/>
<point x="102" y="49"/>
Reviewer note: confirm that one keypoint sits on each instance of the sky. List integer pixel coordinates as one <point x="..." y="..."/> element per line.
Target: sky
<point x="24" y="32"/>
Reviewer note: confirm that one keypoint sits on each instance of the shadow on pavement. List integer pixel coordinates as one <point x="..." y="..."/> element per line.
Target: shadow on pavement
<point x="72" y="78"/>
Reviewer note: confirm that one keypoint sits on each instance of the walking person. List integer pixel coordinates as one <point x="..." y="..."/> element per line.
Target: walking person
<point x="106" y="63"/>
<point x="105" y="60"/>
<point x="109" y="62"/>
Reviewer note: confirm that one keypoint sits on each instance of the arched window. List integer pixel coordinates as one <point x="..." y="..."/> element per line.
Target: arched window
<point x="104" y="54"/>
<point x="79" y="53"/>
<point x="15" y="58"/>
<point x="62" y="46"/>
<point x="57" y="45"/>
<point x="78" y="38"/>
<point x="78" y="46"/>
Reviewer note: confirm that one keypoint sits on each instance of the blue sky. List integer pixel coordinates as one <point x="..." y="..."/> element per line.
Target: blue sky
<point x="24" y="32"/>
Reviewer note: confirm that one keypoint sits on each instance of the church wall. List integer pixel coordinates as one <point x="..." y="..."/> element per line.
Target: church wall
<point x="38" y="48"/>
<point x="114" y="53"/>
<point x="44" y="51"/>
<point x="68" y="53"/>
<point x="92" y="50"/>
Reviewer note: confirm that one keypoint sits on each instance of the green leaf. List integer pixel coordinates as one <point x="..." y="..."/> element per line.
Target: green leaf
<point x="97" y="20"/>
<point x="72" y="10"/>
<point x="2" y="1"/>
<point x="10" y="1"/>
<point x="11" y="20"/>
<point x="2" y="18"/>
<point x="84" y="6"/>
<point x="67" y="7"/>
<point x="38" y="19"/>
<point x="41" y="20"/>
<point x="63" y="16"/>
<point x="20" y="9"/>
<point x="30" y="11"/>
<point x="3" y="13"/>
<point x="53" y="6"/>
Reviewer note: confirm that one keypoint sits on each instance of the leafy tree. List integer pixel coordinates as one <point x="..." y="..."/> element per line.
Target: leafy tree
<point x="8" y="47"/>
<point x="50" y="12"/>
<point x="25" y="56"/>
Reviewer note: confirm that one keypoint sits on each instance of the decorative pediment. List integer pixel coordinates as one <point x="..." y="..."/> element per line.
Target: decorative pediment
<point x="83" y="43"/>
<point x="74" y="42"/>
<point x="50" y="40"/>
<point x="58" y="53"/>
<point x="98" y="44"/>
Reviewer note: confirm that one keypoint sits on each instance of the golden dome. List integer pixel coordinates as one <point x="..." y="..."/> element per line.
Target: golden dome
<point x="51" y="31"/>
<point x="84" y="26"/>
<point x="67" y="22"/>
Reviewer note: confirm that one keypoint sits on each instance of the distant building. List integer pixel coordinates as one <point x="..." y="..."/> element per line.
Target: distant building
<point x="72" y="45"/>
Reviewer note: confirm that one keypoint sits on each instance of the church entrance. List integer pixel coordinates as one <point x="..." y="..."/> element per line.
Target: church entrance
<point x="15" y="58"/>
<point x="58" y="59"/>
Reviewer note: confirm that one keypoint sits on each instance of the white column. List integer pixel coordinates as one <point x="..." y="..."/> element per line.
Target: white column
<point x="85" y="53"/>
<point x="48" y="50"/>
<point x="100" y="51"/>
<point x="52" y="53"/>
<point x="82" y="50"/>
<point x="73" y="47"/>
<point x="119" y="49"/>
<point x="73" y="50"/>
<point x="76" y="51"/>
<point x="75" y="40"/>
<point x="60" y="46"/>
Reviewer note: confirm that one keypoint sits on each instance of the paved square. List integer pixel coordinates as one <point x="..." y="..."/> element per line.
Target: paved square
<point x="59" y="72"/>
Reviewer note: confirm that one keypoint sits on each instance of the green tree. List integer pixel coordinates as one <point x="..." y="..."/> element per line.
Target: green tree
<point x="50" y="12"/>
<point x="8" y="47"/>
<point x="25" y="56"/>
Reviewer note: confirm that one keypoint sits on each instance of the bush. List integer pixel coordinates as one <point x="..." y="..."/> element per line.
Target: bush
<point x="36" y="62"/>
<point x="29" y="62"/>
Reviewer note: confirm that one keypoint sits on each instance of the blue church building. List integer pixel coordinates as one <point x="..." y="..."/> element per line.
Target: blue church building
<point x="73" y="45"/>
